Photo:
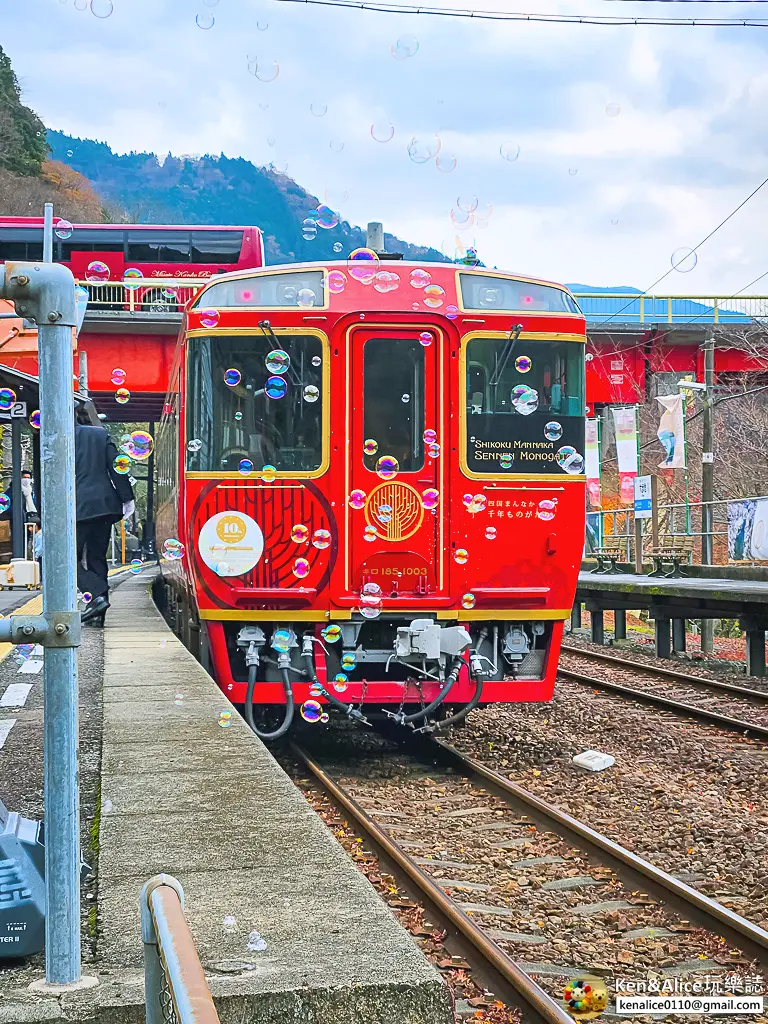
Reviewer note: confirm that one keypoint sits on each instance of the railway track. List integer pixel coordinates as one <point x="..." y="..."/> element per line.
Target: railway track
<point x="507" y="917"/>
<point x="739" y="708"/>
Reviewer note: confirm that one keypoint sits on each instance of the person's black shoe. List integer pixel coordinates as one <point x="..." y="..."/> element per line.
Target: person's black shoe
<point x="97" y="609"/>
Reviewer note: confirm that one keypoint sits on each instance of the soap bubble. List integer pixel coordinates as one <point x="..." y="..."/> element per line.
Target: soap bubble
<point x="363" y="265"/>
<point x="229" y="923"/>
<point x="132" y="279"/>
<point x="139" y="445"/>
<point x="209" y="317"/>
<point x="460" y="556"/>
<point x="309" y="229"/>
<point x="423" y="148"/>
<point x="275" y="387"/>
<point x="573" y="171"/>
<point x="405" y="47"/>
<point x="256" y="943"/>
<point x="468" y="601"/>
<point x="384" y="513"/>
<point x="331" y="633"/>
<point x="136" y="565"/>
<point x="357" y="498"/>
<point x="553" y="430"/>
<point x="318" y="109"/>
<point x="305" y="298"/>
<point x="299" y="534"/>
<point x="478" y="503"/>
<point x="505" y="460"/>
<point x="179" y="699"/>
<point x="684" y="260"/>
<point x="433" y="296"/>
<point x="169" y="293"/>
<point x="369" y="533"/>
<point x="281" y="641"/>
<point x="467" y="203"/>
<point x="370" y="446"/>
<point x="311" y="711"/>
<point x="301" y="568"/>
<point x="546" y="509"/>
<point x="118" y="376"/>
<point x="451" y="312"/>
<point x="317" y="360"/>
<point x="490" y="533"/>
<point x="34" y="419"/>
<point x="386" y="281"/>
<point x="223" y="569"/>
<point x="265" y="69"/>
<point x="315" y="690"/>
<point x="613" y="110"/>
<point x="63" y="229"/>
<point x="87" y="597"/>
<point x="382" y="131"/>
<point x="387" y="467"/>
<point x="430" y="498"/>
<point x="122" y="395"/>
<point x="278" y="361"/>
<point x="225" y="721"/>
<point x="433" y="451"/>
<point x="405" y="399"/>
<point x="336" y="145"/>
<point x="205" y="21"/>
<point x="523" y="364"/>
<point x="420" y="278"/>
<point x="569" y="459"/>
<point x="5" y="502"/>
<point x="232" y="377"/>
<point x="348" y="660"/>
<point x="7" y="399"/>
<point x="311" y="393"/>
<point x="326" y="217"/>
<point x="194" y="445"/>
<point x="446" y="162"/>
<point x="173" y="549"/>
<point x="321" y="539"/>
<point x="268" y="474"/>
<point x="245" y="467"/>
<point x="97" y="272"/>
<point x="336" y="280"/>
<point x="425" y="338"/>
<point x="525" y="400"/>
<point x="510" y="151"/>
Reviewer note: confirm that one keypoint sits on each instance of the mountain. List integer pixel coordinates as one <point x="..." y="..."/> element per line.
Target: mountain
<point x="215" y="190"/>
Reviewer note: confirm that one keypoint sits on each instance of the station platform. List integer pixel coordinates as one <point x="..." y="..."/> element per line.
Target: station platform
<point x="285" y="925"/>
<point x="672" y="600"/>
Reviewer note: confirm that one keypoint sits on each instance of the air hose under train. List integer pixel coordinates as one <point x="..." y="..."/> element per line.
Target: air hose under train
<point x="290" y="705"/>
<point x="425" y="712"/>
<point x="475" y="674"/>
<point x="340" y="705"/>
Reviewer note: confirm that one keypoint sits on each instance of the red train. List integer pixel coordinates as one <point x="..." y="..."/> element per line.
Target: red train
<point x="371" y="487"/>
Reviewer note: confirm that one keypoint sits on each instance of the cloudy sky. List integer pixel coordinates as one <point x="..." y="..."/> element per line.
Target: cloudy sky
<point x="634" y="141"/>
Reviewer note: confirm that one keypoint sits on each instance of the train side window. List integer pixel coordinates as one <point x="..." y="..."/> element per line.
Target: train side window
<point x="242" y="410"/>
<point x="393" y="401"/>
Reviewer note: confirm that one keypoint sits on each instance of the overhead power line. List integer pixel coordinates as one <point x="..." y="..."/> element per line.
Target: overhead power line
<point x="564" y="19"/>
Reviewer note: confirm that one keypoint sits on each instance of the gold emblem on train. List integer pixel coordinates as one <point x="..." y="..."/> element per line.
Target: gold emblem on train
<point x="394" y="510"/>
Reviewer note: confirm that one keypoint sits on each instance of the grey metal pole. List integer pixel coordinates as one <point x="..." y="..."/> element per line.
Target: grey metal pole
<point x="46" y="293"/>
<point x="48" y="233"/>
<point x="707" y="479"/>
<point x="82" y="363"/>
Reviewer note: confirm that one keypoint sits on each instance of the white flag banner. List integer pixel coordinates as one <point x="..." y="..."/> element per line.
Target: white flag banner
<point x="671" y="432"/>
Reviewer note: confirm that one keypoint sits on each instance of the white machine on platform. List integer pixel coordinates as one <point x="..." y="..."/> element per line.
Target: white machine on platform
<point x="22" y="572"/>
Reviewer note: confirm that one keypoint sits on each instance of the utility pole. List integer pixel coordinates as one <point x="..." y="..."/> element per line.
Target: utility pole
<point x="707" y="478"/>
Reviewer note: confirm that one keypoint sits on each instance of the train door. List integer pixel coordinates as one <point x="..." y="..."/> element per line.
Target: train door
<point x="396" y="462"/>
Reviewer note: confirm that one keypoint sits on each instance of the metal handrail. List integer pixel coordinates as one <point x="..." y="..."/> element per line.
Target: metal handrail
<point x="143" y="294"/>
<point x="176" y="990"/>
<point x="694" y="309"/>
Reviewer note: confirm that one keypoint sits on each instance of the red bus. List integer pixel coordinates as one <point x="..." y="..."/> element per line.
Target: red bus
<point x="155" y="250"/>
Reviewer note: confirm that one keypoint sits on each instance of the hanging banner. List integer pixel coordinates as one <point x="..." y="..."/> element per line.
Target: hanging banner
<point x="748" y="530"/>
<point x="592" y="461"/>
<point x="671" y="431"/>
<point x="625" y="423"/>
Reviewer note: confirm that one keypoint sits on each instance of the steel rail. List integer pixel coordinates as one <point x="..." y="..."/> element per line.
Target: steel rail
<point x="710" y="717"/>
<point x="669" y="673"/>
<point x="640" y="873"/>
<point x="492" y="964"/>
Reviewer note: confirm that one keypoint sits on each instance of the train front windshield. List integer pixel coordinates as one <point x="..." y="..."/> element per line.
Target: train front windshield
<point x="255" y="399"/>
<point x="524" y="406"/>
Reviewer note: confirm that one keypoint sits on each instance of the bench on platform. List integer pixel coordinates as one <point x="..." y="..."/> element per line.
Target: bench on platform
<point x="677" y="552"/>
<point x="609" y="555"/>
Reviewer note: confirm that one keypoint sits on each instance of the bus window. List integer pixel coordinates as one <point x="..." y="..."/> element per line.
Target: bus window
<point x="21" y="244"/>
<point x="216" y="246"/>
<point x="158" y="247"/>
<point x="94" y="240"/>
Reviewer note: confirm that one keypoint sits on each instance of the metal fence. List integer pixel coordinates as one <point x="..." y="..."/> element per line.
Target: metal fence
<point x="144" y="295"/>
<point x="681" y="519"/>
<point x="176" y="990"/>
<point x="629" y="307"/>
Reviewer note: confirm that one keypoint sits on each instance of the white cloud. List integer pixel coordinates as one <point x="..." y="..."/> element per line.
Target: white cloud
<point x="690" y="142"/>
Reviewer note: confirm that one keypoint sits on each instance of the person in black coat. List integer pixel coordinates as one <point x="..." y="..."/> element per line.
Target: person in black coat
<point x="103" y="497"/>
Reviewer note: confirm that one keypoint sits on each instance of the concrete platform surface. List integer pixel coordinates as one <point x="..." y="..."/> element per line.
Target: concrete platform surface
<point x="211" y="806"/>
